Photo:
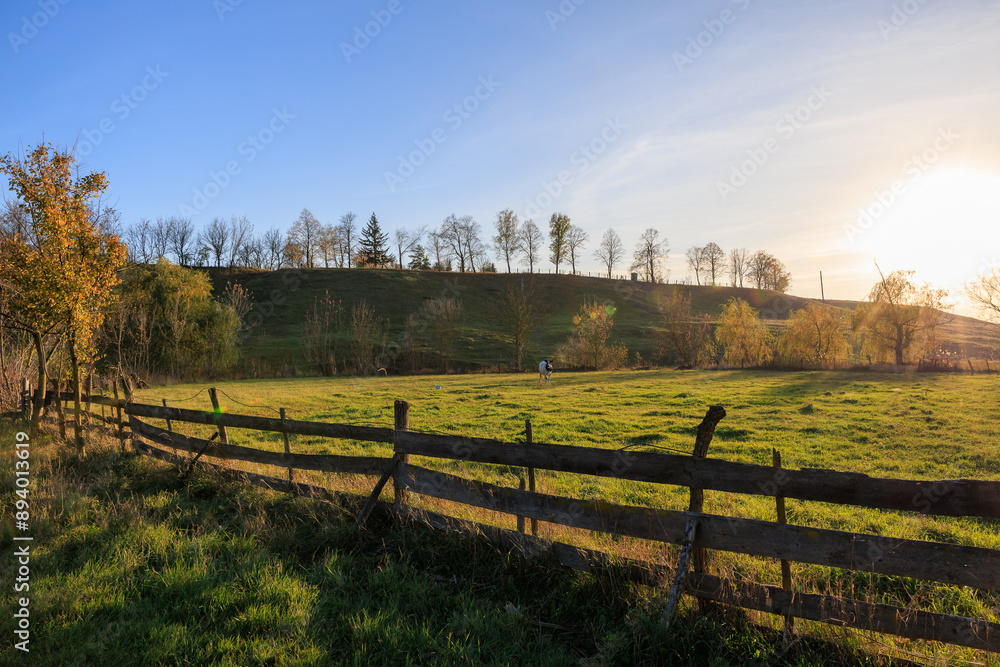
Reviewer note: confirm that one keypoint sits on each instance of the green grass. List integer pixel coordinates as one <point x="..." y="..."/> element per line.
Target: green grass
<point x="133" y="567"/>
<point x="284" y="297"/>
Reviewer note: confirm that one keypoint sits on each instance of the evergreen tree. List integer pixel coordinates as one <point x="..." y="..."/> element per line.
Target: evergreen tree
<point x="374" y="245"/>
<point x="419" y="260"/>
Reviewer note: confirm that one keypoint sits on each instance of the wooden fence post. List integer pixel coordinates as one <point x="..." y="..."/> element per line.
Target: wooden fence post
<point x="680" y="575"/>
<point x="127" y="390"/>
<point x="90" y="392"/>
<point x="520" y="519"/>
<point x="401" y="410"/>
<point x="704" y="438"/>
<point x="170" y="427"/>
<point x="223" y="437"/>
<point x="118" y="412"/>
<point x="57" y="398"/>
<point x="284" y="436"/>
<point x="373" y="498"/>
<point x="25" y="398"/>
<point x="786" y="570"/>
<point x="531" y="475"/>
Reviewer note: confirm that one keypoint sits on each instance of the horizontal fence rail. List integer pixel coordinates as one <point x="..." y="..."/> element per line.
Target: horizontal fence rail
<point x="957" y="497"/>
<point x="931" y="561"/>
<point x="254" y="479"/>
<point x="844" y="612"/>
<point x="358" y="465"/>
<point x="346" y="431"/>
<point x="252" y="422"/>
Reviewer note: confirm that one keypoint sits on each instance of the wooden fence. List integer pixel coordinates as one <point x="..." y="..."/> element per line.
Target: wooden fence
<point x="695" y="530"/>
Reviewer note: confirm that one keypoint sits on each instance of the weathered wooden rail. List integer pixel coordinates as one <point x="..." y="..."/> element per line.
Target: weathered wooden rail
<point x="932" y="561"/>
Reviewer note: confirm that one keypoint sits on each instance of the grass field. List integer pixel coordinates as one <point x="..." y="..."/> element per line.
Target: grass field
<point x="221" y="574"/>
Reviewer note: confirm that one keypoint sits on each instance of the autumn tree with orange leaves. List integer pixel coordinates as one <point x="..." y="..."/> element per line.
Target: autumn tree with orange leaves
<point x="58" y="268"/>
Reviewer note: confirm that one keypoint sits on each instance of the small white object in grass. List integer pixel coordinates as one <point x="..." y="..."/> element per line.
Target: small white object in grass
<point x="512" y="610"/>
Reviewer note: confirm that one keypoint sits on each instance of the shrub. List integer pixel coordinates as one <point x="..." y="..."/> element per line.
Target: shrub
<point x="321" y="333"/>
<point x="588" y="345"/>
<point x="743" y="337"/>
<point x="679" y="337"/>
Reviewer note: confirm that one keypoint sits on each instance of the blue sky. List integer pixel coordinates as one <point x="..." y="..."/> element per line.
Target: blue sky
<point x="830" y="134"/>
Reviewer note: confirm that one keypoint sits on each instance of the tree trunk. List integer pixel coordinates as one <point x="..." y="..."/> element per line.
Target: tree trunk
<point x="75" y="365"/>
<point x="899" y="346"/>
<point x="39" y="402"/>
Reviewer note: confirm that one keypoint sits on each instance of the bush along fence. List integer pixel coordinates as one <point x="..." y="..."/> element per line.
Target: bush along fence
<point x="694" y="530"/>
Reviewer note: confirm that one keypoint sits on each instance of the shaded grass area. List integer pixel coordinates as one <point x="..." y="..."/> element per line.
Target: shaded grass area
<point x="131" y="567"/>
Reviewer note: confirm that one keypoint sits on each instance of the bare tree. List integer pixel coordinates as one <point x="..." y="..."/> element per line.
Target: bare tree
<point x="442" y="259"/>
<point x="507" y="241"/>
<point x="106" y="218"/>
<point x="575" y="239"/>
<point x="252" y="255"/>
<point x="215" y="237"/>
<point x="766" y="272"/>
<point x="984" y="292"/>
<point x="611" y="251"/>
<point x="558" y="232"/>
<point x="738" y="261"/>
<point x="757" y="267"/>
<point x="650" y="253"/>
<point x="714" y="259"/>
<point x="329" y="242"/>
<point x="305" y="232"/>
<point x="407" y="241"/>
<point x="160" y="238"/>
<point x="477" y="249"/>
<point x="517" y="311"/>
<point x="348" y="237"/>
<point x="461" y="237"/>
<point x="531" y="243"/>
<point x="240" y="232"/>
<point x="182" y="239"/>
<point x="273" y="249"/>
<point x="696" y="261"/>
<point x="139" y="238"/>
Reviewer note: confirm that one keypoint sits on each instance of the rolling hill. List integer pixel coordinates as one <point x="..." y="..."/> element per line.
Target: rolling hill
<point x="283" y="298"/>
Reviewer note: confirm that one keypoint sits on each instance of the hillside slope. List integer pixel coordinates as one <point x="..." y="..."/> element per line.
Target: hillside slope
<point x="282" y="299"/>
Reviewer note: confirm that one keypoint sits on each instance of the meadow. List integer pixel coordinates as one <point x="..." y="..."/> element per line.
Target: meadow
<point x="223" y="574"/>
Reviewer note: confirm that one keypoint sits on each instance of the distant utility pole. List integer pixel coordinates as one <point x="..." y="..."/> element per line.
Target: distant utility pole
<point x="822" y="294"/>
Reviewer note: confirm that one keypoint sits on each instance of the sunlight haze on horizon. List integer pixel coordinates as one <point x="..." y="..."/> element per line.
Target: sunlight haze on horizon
<point x="833" y="135"/>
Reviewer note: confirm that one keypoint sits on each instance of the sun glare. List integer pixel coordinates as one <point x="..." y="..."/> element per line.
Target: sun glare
<point x="943" y="224"/>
